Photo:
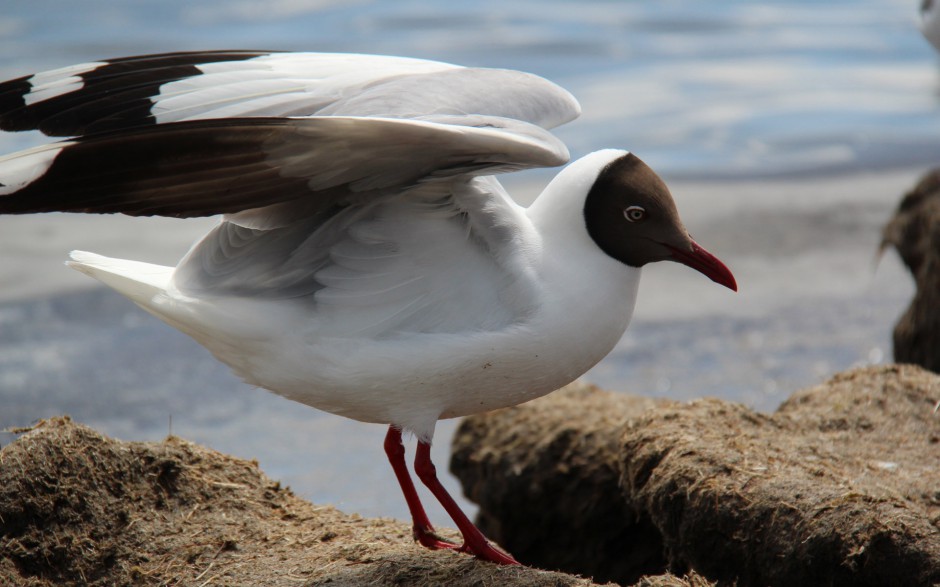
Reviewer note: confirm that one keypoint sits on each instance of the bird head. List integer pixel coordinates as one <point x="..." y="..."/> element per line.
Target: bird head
<point x="632" y="217"/>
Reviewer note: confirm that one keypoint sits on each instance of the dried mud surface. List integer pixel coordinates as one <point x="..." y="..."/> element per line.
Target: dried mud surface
<point x="78" y="508"/>
<point x="841" y="486"/>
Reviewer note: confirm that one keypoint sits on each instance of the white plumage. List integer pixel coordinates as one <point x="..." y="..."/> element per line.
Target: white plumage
<point x="406" y="313"/>
<point x="368" y="263"/>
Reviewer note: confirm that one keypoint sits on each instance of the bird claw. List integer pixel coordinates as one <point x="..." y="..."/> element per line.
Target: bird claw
<point x="428" y="538"/>
<point x="489" y="553"/>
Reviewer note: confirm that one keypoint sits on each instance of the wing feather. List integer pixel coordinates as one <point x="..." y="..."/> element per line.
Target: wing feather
<point x="209" y="167"/>
<point x="66" y="101"/>
<point x="386" y="267"/>
<point x="347" y="180"/>
<point x="123" y="93"/>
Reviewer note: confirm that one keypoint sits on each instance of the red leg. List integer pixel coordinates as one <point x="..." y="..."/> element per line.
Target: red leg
<point x="474" y="541"/>
<point x="423" y="530"/>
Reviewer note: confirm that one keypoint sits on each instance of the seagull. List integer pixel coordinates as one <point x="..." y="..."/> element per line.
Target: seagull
<point x="367" y="262"/>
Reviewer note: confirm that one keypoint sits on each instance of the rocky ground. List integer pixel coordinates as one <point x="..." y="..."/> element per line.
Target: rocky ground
<point x="838" y="487"/>
<point x="78" y="508"/>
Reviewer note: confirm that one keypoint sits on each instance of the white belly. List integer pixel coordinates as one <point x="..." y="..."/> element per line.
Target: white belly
<point x="412" y="380"/>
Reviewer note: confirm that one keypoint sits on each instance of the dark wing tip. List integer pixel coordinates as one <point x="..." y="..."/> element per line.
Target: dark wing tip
<point x="13" y="116"/>
<point x="105" y="95"/>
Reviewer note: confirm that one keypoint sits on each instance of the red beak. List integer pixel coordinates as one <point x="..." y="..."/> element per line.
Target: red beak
<point x="705" y="263"/>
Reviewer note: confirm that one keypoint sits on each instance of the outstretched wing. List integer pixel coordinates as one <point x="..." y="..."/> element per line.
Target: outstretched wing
<point x="195" y="134"/>
<point x="347" y="179"/>
<point x="155" y="89"/>
<point x="207" y="167"/>
<point x="69" y="100"/>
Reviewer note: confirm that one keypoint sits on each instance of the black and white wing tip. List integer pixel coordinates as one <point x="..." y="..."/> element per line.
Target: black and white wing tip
<point x="100" y="95"/>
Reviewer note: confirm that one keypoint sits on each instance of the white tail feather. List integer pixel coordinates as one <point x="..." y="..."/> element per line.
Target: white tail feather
<point x="138" y="281"/>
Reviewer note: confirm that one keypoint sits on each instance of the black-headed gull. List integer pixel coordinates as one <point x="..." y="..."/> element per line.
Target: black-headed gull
<point x="368" y="263"/>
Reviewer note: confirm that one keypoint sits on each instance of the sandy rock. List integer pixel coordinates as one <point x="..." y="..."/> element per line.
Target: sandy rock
<point x="77" y="508"/>
<point x="915" y="232"/>
<point x="841" y="486"/>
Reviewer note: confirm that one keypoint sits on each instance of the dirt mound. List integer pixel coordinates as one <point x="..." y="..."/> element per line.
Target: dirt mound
<point x="914" y="231"/>
<point x="839" y="487"/>
<point x="77" y="508"/>
<point x="546" y="476"/>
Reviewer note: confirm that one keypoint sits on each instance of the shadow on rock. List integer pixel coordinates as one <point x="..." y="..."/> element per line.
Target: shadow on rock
<point x="838" y="487"/>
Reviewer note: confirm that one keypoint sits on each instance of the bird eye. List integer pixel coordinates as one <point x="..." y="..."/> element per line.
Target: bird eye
<point x="634" y="213"/>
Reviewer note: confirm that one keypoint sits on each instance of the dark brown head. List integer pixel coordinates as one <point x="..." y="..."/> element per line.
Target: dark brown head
<point x="632" y="217"/>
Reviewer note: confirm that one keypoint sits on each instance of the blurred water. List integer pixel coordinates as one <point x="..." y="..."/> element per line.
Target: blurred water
<point x="710" y="94"/>
<point x="724" y="89"/>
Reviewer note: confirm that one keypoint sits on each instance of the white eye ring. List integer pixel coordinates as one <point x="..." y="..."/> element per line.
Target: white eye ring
<point x="634" y="213"/>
